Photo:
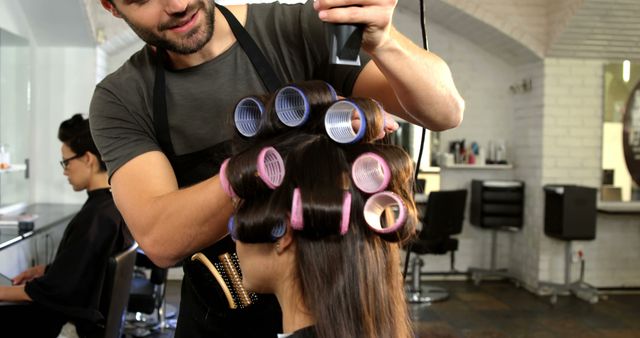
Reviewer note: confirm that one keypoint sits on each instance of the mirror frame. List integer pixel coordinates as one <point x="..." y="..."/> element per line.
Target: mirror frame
<point x="631" y="134"/>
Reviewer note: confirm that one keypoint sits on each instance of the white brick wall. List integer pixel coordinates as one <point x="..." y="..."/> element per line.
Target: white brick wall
<point x="524" y="20"/>
<point x="483" y="79"/>
<point x="554" y="136"/>
<point x="572" y="155"/>
<point x="527" y="139"/>
<point x="559" y="13"/>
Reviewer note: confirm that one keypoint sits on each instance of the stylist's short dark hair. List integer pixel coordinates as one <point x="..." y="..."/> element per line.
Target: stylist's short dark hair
<point x="75" y="133"/>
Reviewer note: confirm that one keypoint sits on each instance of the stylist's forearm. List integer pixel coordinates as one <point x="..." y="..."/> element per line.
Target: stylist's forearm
<point x="421" y="81"/>
<point x="179" y="223"/>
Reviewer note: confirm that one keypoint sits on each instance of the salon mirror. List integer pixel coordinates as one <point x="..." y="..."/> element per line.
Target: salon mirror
<point x="14" y="114"/>
<point x="621" y="133"/>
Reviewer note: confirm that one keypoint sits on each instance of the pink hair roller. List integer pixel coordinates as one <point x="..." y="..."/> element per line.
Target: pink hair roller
<point x="297" y="218"/>
<point x="224" y="182"/>
<point x="296" y="210"/>
<point x="375" y="207"/>
<point x="346" y="212"/>
<point x="270" y="167"/>
<point x="370" y="173"/>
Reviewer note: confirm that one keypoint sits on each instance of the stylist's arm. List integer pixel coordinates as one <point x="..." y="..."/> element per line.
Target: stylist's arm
<point x="146" y="192"/>
<point x="412" y="83"/>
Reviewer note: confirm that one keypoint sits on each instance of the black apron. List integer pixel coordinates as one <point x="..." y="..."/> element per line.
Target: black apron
<point x="204" y="310"/>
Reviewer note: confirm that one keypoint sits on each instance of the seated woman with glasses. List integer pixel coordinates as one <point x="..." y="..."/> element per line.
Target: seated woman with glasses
<point x="68" y="289"/>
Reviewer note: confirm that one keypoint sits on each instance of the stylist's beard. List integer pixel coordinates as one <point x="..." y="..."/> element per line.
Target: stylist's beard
<point x="190" y="42"/>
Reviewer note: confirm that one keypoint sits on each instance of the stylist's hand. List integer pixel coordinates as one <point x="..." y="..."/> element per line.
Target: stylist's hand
<point x="390" y="125"/>
<point x="374" y="14"/>
<point x="29" y="274"/>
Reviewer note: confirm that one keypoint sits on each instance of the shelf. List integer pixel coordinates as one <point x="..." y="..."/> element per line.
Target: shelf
<point x="480" y="166"/>
<point x="14" y="168"/>
<point x="619" y="207"/>
<point x="430" y="170"/>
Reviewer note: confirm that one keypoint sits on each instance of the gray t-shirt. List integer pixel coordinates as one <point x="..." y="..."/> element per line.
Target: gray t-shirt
<point x="200" y="99"/>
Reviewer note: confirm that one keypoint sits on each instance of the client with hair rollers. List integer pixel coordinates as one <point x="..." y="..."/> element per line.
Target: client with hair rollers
<point x="321" y="210"/>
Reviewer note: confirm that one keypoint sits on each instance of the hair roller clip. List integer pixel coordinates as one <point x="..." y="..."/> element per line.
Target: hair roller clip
<point x="224" y="182"/>
<point x="278" y="231"/>
<point x="270" y="167"/>
<point x="297" y="218"/>
<point x="338" y="122"/>
<point x="382" y="203"/>
<point x="292" y="106"/>
<point x="370" y="173"/>
<point x="247" y="115"/>
<point x="230" y="228"/>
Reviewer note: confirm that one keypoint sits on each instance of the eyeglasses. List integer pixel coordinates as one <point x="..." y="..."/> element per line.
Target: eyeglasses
<point x="65" y="161"/>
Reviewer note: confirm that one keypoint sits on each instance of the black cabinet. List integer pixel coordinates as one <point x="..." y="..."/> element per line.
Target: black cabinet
<point x="570" y="212"/>
<point x="497" y="204"/>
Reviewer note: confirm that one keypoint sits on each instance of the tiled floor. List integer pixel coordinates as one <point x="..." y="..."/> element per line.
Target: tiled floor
<point x="499" y="309"/>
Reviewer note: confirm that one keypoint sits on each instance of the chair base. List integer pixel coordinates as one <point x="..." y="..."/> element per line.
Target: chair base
<point x="417" y="294"/>
<point x="139" y="324"/>
<point x="580" y="289"/>
<point x="427" y="295"/>
<point x="478" y="274"/>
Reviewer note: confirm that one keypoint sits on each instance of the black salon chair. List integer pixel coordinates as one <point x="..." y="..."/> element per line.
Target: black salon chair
<point x="441" y="218"/>
<point x="147" y="298"/>
<point x="115" y="293"/>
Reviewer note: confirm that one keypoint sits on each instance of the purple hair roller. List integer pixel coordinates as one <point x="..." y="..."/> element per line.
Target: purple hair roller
<point x="247" y="115"/>
<point x="338" y="122"/>
<point x="334" y="95"/>
<point x="278" y="231"/>
<point x="230" y="227"/>
<point x="370" y="173"/>
<point x="292" y="106"/>
<point x="376" y="206"/>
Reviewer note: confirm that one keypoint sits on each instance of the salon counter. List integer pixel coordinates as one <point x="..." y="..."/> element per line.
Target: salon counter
<point x="44" y="217"/>
<point x="22" y="249"/>
<point x="620" y="208"/>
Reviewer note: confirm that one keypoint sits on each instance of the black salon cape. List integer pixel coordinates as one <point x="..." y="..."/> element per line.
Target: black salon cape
<point x="72" y="283"/>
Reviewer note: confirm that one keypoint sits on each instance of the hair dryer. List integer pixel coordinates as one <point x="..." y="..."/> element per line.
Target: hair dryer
<point x="344" y="43"/>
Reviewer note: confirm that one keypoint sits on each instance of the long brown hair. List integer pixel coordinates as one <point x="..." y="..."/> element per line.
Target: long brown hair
<point x="351" y="283"/>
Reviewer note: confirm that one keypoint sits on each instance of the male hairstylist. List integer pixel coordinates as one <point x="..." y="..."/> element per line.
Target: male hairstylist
<point x="161" y="120"/>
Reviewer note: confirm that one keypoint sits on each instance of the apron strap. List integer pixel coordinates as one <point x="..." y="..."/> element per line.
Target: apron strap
<point x="160" y="117"/>
<point x="257" y="58"/>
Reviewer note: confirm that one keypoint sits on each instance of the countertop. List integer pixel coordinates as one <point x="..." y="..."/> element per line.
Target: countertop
<point x="44" y="215"/>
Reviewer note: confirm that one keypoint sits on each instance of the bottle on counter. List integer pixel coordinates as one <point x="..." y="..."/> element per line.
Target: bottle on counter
<point x="5" y="157"/>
